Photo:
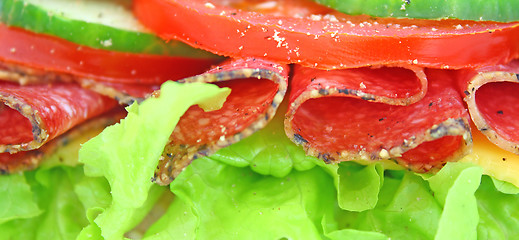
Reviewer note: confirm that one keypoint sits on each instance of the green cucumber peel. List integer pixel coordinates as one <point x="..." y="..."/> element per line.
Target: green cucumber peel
<point x="487" y="10"/>
<point x="101" y="24"/>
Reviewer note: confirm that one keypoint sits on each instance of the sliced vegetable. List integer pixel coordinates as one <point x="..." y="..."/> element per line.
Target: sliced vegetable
<point x="309" y="34"/>
<point x="107" y="25"/>
<point x="44" y="55"/>
<point x="495" y="10"/>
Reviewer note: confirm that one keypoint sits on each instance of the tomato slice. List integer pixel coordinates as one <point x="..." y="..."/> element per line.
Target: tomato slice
<point x="304" y="32"/>
<point x="48" y="53"/>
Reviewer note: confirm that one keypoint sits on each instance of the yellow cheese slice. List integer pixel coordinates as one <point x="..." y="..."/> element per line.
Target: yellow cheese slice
<point x="496" y="162"/>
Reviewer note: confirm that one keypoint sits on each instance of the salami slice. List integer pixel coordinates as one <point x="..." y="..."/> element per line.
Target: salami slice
<point x="492" y="95"/>
<point x="124" y="93"/>
<point x="24" y="75"/>
<point x="70" y="140"/>
<point x="337" y="124"/>
<point x="126" y="77"/>
<point x="391" y="85"/>
<point x="35" y="114"/>
<point x="258" y="87"/>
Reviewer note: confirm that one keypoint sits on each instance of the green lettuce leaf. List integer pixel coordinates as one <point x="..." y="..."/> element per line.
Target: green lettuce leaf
<point x="356" y="234"/>
<point x="498" y="215"/>
<point x="454" y="187"/>
<point x="453" y="204"/>
<point x="261" y="188"/>
<point x="126" y="154"/>
<point x="359" y="185"/>
<point x="62" y="216"/>
<point x="369" y="202"/>
<point x="17" y="198"/>
<point x="268" y="151"/>
<point x="218" y="201"/>
<point x="406" y="209"/>
<point x="224" y="202"/>
<point x="505" y="187"/>
<point x="178" y="222"/>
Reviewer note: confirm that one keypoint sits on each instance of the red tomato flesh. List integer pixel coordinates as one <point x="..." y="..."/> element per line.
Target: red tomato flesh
<point x="48" y="53"/>
<point x="315" y="36"/>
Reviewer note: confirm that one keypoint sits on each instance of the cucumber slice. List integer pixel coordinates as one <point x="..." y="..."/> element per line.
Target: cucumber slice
<point x="102" y="24"/>
<point x="488" y="10"/>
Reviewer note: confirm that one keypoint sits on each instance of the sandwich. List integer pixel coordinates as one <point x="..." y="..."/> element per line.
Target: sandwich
<point x="315" y="124"/>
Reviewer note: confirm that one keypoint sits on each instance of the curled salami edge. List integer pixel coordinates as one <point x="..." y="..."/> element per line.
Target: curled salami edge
<point x="496" y="110"/>
<point x="254" y="75"/>
<point x="124" y="93"/>
<point x="24" y="75"/>
<point x="390" y="85"/>
<point x="37" y="114"/>
<point x="28" y="160"/>
<point x="127" y="77"/>
<point x="337" y="125"/>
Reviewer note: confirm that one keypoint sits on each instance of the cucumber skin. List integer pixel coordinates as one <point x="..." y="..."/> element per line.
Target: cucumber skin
<point x="33" y="18"/>
<point x="488" y="10"/>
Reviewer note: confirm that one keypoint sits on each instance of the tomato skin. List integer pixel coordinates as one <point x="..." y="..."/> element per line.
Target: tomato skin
<point x="340" y="41"/>
<point x="48" y="53"/>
